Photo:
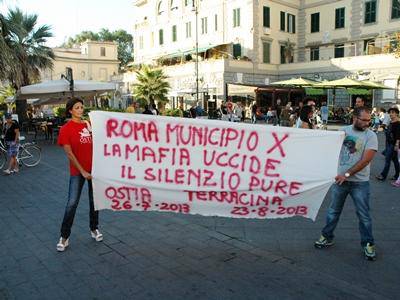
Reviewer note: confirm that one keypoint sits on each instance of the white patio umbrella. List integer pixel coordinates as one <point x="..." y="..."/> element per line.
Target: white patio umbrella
<point x="61" y="89"/>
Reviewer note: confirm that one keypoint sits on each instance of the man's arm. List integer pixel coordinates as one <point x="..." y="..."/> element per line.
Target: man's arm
<point x="361" y="164"/>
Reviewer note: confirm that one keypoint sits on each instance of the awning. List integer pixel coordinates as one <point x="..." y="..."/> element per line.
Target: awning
<point x="181" y="53"/>
<point x="236" y="89"/>
<point x="315" y="92"/>
<point x="358" y="92"/>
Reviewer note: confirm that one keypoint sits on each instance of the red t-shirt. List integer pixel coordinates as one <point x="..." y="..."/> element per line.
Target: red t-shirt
<point x="78" y="136"/>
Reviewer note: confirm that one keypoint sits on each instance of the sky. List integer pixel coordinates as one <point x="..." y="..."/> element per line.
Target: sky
<point x="70" y="17"/>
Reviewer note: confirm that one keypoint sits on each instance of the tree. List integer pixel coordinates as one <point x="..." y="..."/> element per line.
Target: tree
<point x="80" y="38"/>
<point x="152" y="85"/>
<point x="125" y="46"/>
<point x="30" y="55"/>
<point x="121" y="37"/>
<point x="6" y="56"/>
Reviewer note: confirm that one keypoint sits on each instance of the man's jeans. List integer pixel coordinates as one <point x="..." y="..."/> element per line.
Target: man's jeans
<point x="390" y="155"/>
<point x="359" y="191"/>
<point x="75" y="188"/>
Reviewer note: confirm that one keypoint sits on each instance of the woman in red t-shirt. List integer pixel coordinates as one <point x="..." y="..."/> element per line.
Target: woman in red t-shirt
<point x="76" y="139"/>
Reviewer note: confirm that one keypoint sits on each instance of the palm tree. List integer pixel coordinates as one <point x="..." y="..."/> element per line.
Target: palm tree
<point x="6" y="92"/>
<point x="152" y="85"/>
<point x="30" y="55"/>
<point x="5" y="50"/>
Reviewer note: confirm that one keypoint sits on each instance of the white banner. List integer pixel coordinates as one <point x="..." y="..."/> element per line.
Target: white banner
<point x="210" y="167"/>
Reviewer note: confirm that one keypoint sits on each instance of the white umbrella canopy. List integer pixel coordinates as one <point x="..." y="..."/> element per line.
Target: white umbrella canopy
<point x="61" y="89"/>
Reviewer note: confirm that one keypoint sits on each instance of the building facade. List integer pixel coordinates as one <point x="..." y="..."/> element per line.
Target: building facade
<point x="204" y="45"/>
<point x="96" y="61"/>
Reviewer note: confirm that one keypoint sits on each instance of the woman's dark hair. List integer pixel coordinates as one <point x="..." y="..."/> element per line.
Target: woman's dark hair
<point x="70" y="105"/>
<point x="304" y="112"/>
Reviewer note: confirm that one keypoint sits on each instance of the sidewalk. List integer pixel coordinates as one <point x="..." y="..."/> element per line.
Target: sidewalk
<point x="174" y="256"/>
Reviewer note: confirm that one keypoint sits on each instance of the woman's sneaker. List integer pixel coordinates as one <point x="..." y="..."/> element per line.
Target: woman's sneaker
<point x="323" y="242"/>
<point x="96" y="234"/>
<point x="369" y="251"/>
<point x="61" y="246"/>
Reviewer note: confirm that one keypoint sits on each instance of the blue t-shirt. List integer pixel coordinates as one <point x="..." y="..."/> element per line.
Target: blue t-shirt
<point x="354" y="145"/>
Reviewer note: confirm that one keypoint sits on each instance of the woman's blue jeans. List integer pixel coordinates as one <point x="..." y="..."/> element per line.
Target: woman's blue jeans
<point x="391" y="155"/>
<point x="75" y="188"/>
<point x="359" y="191"/>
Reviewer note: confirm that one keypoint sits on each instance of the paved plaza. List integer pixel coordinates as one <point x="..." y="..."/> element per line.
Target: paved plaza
<point x="175" y="256"/>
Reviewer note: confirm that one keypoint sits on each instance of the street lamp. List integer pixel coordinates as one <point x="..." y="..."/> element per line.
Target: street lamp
<point x="196" y="10"/>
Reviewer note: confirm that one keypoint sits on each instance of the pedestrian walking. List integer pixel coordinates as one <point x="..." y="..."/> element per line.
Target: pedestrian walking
<point x="324" y="115"/>
<point x="254" y="112"/>
<point x="11" y="139"/>
<point x="358" y="150"/>
<point x="76" y="139"/>
<point x="392" y="139"/>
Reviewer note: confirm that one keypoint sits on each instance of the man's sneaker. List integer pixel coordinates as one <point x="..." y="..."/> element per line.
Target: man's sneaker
<point x="61" y="246"/>
<point x="369" y="251"/>
<point x="323" y="242"/>
<point x="96" y="234"/>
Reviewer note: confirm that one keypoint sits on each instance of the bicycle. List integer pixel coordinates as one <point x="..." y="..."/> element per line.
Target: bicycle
<point x="29" y="154"/>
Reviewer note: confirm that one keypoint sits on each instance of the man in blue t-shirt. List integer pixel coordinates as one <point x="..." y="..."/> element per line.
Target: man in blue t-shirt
<point x="358" y="150"/>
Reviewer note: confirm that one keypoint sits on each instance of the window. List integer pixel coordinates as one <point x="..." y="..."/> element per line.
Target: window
<point x="266" y="18"/>
<point x="283" y="60"/>
<point x="291" y="23"/>
<point x="367" y="43"/>
<point x="266" y="52"/>
<point x="315" y="22"/>
<point x="204" y="25"/>
<point x="102" y="51"/>
<point x="236" y="17"/>
<point x="237" y="50"/>
<point x="339" y="17"/>
<point x="216" y="22"/>
<point x="174" y="37"/>
<point x="283" y="21"/>
<point x="370" y="11"/>
<point x="314" y="53"/>
<point x="395" y="9"/>
<point x="161" y="36"/>
<point x="141" y="42"/>
<point x="339" y="50"/>
<point x="188" y="29"/>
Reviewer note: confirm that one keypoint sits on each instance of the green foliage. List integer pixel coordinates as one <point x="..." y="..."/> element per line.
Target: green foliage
<point x="6" y="92"/>
<point x="152" y="85"/>
<point x="173" y="112"/>
<point x="121" y="37"/>
<point x="23" y="50"/>
<point x="59" y="111"/>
